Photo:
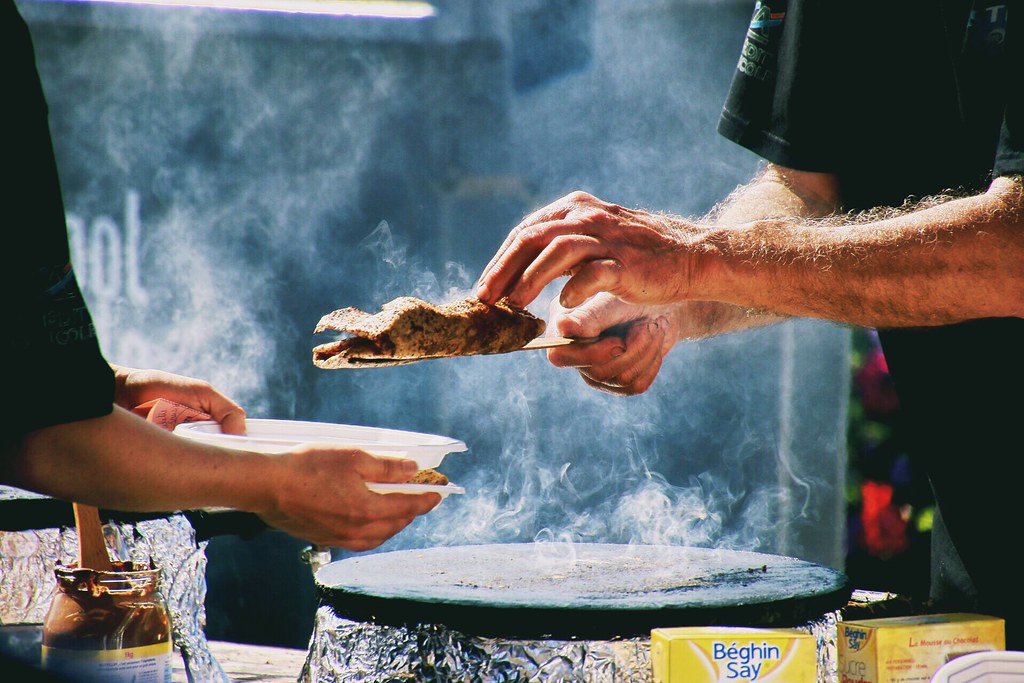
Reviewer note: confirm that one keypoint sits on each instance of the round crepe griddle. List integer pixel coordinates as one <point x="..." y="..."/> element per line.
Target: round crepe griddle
<point x="579" y="590"/>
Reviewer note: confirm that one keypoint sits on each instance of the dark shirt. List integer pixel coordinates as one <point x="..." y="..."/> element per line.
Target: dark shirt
<point x="902" y="101"/>
<point x="55" y="372"/>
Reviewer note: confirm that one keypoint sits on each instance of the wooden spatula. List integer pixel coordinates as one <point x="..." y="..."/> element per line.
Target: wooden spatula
<point x="551" y="342"/>
<point x="92" y="548"/>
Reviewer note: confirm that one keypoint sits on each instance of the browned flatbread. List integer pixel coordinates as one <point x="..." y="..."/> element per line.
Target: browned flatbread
<point x="408" y="329"/>
<point x="431" y="477"/>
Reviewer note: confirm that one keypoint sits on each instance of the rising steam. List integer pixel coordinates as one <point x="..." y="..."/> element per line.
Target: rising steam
<point x="276" y="179"/>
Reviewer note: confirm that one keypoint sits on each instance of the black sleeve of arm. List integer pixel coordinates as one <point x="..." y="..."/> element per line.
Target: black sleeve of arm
<point x="779" y="102"/>
<point x="54" y="371"/>
<point x="1010" y="151"/>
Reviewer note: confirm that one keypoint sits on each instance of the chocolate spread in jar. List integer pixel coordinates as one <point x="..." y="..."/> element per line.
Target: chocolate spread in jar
<point x="111" y="626"/>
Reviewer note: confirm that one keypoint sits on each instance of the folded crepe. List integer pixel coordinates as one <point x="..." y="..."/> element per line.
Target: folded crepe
<point x="408" y="329"/>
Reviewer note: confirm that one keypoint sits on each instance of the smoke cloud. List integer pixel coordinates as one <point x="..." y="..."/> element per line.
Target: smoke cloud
<point x="230" y="178"/>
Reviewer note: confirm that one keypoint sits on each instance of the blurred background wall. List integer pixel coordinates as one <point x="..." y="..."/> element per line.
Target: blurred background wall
<point x="232" y="176"/>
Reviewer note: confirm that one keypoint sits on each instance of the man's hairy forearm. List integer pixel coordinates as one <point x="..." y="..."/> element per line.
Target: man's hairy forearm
<point x="933" y="264"/>
<point x="778" y="193"/>
<point x="774" y="193"/>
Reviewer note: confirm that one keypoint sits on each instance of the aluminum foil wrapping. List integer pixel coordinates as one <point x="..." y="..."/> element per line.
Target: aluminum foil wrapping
<point x="27" y="584"/>
<point x="826" y="633"/>
<point x="344" y="651"/>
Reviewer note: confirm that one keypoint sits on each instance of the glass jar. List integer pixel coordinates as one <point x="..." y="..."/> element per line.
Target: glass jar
<point x="108" y="626"/>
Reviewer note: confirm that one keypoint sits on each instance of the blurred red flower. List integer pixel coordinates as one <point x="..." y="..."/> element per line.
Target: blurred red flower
<point x="875" y="385"/>
<point x="883" y="526"/>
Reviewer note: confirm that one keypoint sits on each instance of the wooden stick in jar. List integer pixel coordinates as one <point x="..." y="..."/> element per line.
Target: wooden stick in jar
<point x="92" y="548"/>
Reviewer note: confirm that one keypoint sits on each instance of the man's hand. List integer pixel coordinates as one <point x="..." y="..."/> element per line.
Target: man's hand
<point x="627" y="362"/>
<point x="624" y="362"/>
<point x="135" y="387"/>
<point x="320" y="495"/>
<point x="636" y="256"/>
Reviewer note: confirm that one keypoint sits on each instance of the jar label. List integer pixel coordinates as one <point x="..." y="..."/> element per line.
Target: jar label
<point x="146" y="664"/>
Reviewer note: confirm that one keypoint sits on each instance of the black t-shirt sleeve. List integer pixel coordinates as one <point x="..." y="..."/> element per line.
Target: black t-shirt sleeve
<point x="54" y="371"/>
<point x="1010" y="157"/>
<point x="778" y="103"/>
<point x="1010" y="151"/>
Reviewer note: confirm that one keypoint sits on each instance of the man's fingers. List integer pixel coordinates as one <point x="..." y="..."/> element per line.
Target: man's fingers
<point x="556" y="211"/>
<point x="499" y="255"/>
<point x="601" y="275"/>
<point x="586" y="355"/>
<point x="385" y="470"/>
<point x="563" y="254"/>
<point x="498" y="274"/>
<point x="504" y="269"/>
<point x="600" y="386"/>
<point x="639" y="375"/>
<point x="595" y="316"/>
<point x="633" y="371"/>
<point x="529" y="257"/>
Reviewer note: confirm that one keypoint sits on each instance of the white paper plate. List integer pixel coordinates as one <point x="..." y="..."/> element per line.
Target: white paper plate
<point x="277" y="436"/>
<point x="416" y="488"/>
<point x="996" y="666"/>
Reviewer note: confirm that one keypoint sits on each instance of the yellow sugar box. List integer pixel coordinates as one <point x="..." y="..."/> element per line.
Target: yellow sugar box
<point x="719" y="654"/>
<point x="911" y="649"/>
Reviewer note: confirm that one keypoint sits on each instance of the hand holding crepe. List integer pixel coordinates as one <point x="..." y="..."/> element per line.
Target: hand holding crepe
<point x="408" y="329"/>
